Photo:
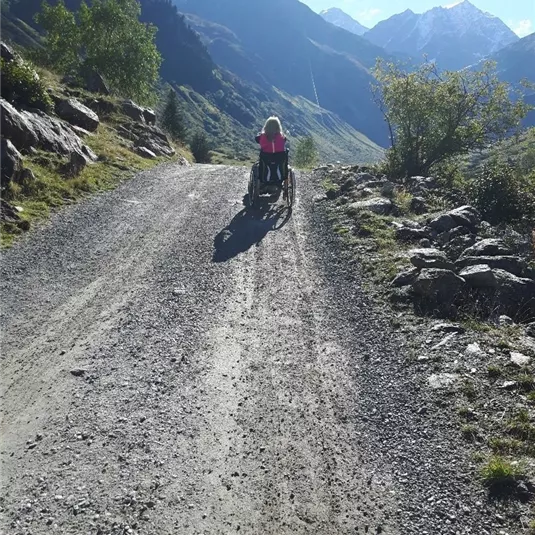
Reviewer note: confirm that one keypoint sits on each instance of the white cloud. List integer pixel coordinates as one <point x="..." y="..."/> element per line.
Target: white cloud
<point x="368" y="15"/>
<point x="522" y="27"/>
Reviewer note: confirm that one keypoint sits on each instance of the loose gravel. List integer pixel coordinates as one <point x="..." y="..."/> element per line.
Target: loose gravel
<point x="176" y="363"/>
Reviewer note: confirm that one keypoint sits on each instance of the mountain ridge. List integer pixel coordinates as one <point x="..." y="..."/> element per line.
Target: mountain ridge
<point x="455" y="37"/>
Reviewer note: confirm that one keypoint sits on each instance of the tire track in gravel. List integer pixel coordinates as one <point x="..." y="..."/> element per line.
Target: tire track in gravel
<point x="226" y="382"/>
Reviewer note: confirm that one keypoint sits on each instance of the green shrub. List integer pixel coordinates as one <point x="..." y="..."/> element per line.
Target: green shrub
<point x="200" y="148"/>
<point x="503" y="194"/>
<point x="306" y="154"/>
<point x="22" y="86"/>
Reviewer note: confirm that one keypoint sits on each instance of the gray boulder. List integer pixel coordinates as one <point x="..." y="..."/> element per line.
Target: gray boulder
<point x="488" y="247"/>
<point x="438" y="285"/>
<point x="74" y="112"/>
<point x="11" y="163"/>
<point x="429" y="258"/>
<point x="17" y="127"/>
<point x="512" y="264"/>
<point x="348" y="185"/>
<point x="446" y="237"/>
<point x="479" y="276"/>
<point x="74" y="166"/>
<point x="376" y="205"/>
<point x="149" y="116"/>
<point x="411" y="234"/>
<point x="364" y="177"/>
<point x="405" y="278"/>
<point x="7" y="53"/>
<point x="443" y="223"/>
<point x="132" y="110"/>
<point x="418" y="206"/>
<point x="466" y="216"/>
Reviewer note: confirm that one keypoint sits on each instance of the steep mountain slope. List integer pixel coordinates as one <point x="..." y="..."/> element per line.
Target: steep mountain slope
<point x="340" y="18"/>
<point x="294" y="49"/>
<point x="515" y="63"/>
<point x="227" y="107"/>
<point x="454" y="37"/>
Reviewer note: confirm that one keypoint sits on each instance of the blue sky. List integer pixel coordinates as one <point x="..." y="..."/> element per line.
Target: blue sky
<point x="519" y="15"/>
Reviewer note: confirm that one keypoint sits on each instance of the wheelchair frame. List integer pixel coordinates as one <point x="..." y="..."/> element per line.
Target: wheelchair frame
<point x="288" y="184"/>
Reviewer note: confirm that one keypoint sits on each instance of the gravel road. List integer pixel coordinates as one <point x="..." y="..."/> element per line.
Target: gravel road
<point x="174" y="363"/>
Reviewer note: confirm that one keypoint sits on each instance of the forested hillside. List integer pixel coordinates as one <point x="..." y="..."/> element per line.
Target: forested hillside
<point x="230" y="105"/>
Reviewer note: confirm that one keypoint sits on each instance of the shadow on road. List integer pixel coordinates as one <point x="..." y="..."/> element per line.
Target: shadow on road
<point x="249" y="227"/>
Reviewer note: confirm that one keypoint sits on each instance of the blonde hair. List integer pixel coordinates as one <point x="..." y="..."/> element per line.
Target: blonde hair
<point x="272" y="127"/>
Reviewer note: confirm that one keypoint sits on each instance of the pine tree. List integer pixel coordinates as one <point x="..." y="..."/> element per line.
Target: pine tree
<point x="172" y="119"/>
<point x="200" y="148"/>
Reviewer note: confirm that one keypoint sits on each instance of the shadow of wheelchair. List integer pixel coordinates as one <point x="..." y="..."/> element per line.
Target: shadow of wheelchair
<point x="249" y="227"/>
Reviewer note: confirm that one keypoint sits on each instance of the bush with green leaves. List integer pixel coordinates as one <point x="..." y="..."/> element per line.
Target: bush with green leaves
<point x="306" y="153"/>
<point x="434" y="116"/>
<point x="200" y="148"/>
<point x="108" y="38"/>
<point x="503" y="194"/>
<point x="172" y="120"/>
<point x="22" y="86"/>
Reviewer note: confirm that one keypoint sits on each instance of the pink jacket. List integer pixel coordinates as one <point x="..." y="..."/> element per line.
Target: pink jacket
<point x="277" y="145"/>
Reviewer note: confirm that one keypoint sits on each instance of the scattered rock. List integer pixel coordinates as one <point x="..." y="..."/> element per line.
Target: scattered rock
<point x="411" y="234"/>
<point x="11" y="163"/>
<point x="466" y="216"/>
<point x="418" y="206"/>
<point x="439" y="381"/>
<point x="74" y="112"/>
<point x="512" y="264"/>
<point x="504" y="321"/>
<point x="74" y="166"/>
<point x="448" y="328"/>
<point x="520" y="360"/>
<point x="530" y="329"/>
<point x="348" y="185"/>
<point x="376" y="205"/>
<point x="331" y="194"/>
<point x="132" y="110"/>
<point x="429" y="258"/>
<point x="488" y="247"/>
<point x="78" y="372"/>
<point x="388" y="189"/>
<point x="146" y="153"/>
<point x="479" y="276"/>
<point x="443" y="223"/>
<point x="475" y="350"/>
<point x="440" y="285"/>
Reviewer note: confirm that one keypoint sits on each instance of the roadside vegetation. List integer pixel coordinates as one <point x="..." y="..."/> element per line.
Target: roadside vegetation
<point x="456" y="145"/>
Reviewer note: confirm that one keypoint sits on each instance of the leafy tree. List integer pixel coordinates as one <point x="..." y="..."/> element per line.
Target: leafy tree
<point x="172" y="119"/>
<point x="63" y="36"/>
<point x="306" y="154"/>
<point x="434" y="116"/>
<point x="200" y="148"/>
<point x="108" y="38"/>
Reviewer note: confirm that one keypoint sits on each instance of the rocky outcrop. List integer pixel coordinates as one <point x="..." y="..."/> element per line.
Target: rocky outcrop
<point x="11" y="164"/>
<point x="74" y="112"/>
<point x="489" y="247"/>
<point x="29" y="130"/>
<point x="148" y="137"/>
<point x="132" y="110"/>
<point x="429" y="258"/>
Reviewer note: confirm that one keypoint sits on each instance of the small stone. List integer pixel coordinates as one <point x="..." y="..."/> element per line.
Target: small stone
<point x="78" y="372"/>
<point x="505" y="320"/>
<point x="442" y="380"/>
<point x="509" y="385"/>
<point x="518" y="359"/>
<point x="448" y="328"/>
<point x="475" y="350"/>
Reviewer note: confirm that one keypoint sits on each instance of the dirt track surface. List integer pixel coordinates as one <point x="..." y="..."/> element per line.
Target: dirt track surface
<point x="173" y="363"/>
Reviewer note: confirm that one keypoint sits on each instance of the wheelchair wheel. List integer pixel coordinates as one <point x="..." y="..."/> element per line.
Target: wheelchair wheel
<point x="253" y="188"/>
<point x="290" y="189"/>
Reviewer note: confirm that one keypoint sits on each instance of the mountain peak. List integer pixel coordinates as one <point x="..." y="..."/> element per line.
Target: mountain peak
<point x="339" y="18"/>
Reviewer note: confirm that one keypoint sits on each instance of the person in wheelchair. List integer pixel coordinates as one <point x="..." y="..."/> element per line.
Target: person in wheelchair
<point x="273" y="165"/>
